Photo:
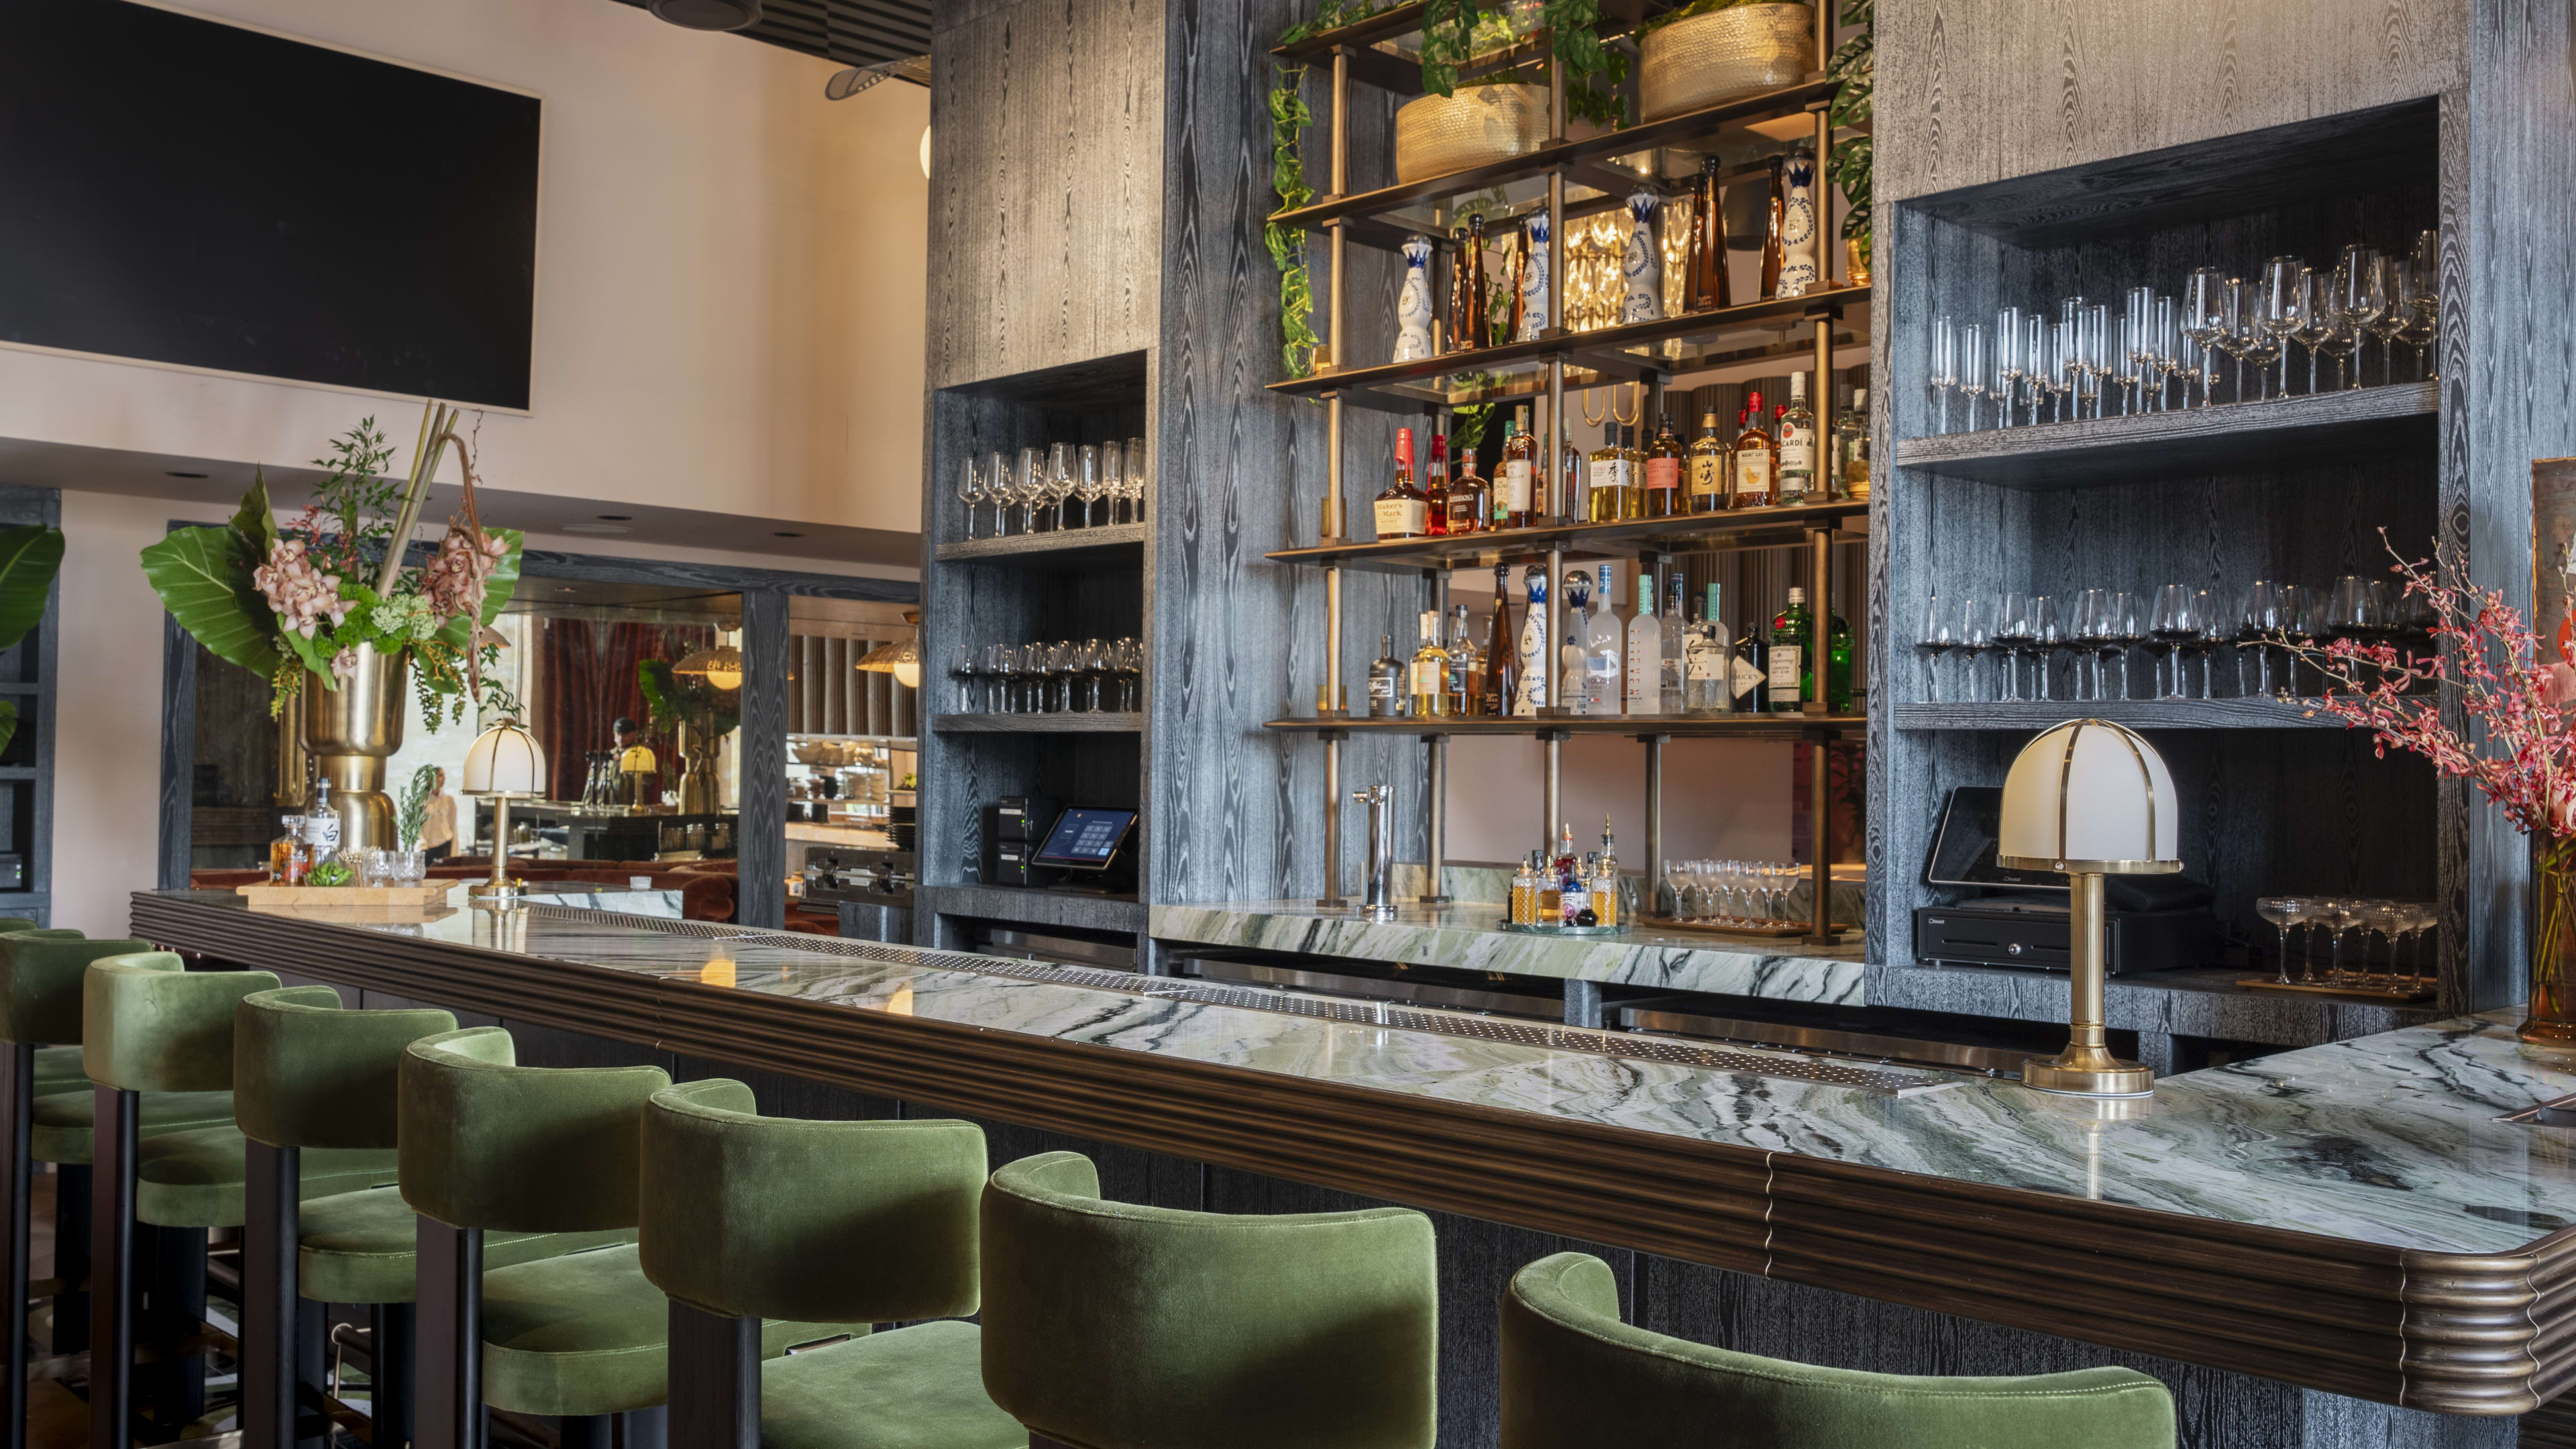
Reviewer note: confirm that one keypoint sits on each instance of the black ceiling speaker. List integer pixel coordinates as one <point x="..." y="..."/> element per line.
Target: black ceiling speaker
<point x="707" y="14"/>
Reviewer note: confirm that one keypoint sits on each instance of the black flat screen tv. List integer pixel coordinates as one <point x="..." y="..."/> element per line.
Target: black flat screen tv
<point x="184" y="191"/>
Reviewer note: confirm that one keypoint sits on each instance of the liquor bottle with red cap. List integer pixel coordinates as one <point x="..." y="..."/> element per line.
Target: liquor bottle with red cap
<point x="1402" y="511"/>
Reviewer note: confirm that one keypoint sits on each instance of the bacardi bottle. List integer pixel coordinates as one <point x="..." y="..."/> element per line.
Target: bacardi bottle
<point x="1516" y="502"/>
<point x="1427" y="686"/>
<point x="1402" y="511"/>
<point x="1797" y="446"/>
<point x="1645" y="651"/>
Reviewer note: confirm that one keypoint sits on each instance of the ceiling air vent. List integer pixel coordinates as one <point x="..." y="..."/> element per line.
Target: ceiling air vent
<point x="707" y="14"/>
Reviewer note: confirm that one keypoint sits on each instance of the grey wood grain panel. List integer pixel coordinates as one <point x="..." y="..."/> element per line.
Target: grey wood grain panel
<point x="761" y="839"/>
<point x="544" y="563"/>
<point x="1045" y="210"/>
<point x="2305" y="430"/>
<point x="1973" y="91"/>
<point x="178" y="753"/>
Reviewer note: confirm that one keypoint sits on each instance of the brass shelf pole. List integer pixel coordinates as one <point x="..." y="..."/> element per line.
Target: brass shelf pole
<point x="1651" y="897"/>
<point x="1820" y="834"/>
<point x="1435" y="822"/>
<point x="1331" y="702"/>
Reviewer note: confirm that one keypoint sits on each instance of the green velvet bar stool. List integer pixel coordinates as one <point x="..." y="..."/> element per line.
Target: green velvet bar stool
<point x="149" y="1025"/>
<point x="1574" y="1376"/>
<point x="749" y="1217"/>
<point x="1109" y="1325"/>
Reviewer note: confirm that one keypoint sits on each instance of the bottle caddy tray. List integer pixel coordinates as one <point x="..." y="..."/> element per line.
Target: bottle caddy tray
<point x="1538" y="929"/>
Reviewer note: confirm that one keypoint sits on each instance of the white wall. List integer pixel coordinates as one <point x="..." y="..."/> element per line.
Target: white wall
<point x="729" y="294"/>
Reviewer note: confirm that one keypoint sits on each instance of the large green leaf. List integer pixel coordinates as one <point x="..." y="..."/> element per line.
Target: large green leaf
<point x="257" y="522"/>
<point x="203" y="578"/>
<point x="503" y="581"/>
<point x="29" y="558"/>
<point x="8" y="722"/>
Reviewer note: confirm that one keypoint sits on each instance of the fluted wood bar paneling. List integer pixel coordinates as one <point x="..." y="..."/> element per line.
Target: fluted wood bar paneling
<point x="2464" y="1330"/>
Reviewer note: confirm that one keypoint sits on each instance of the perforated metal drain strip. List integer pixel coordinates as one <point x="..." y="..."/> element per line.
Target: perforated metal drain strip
<point x="1623" y="1045"/>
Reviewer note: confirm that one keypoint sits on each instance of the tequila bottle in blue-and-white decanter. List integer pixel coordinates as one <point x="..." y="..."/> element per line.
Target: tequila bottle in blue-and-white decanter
<point x="1530" y="660"/>
<point x="1798" y="270"/>
<point x="1534" y="283"/>
<point x="1413" y="304"/>
<point x="1643" y="266"/>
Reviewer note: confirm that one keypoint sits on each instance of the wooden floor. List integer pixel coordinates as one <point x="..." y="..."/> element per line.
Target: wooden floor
<point x="57" y="1418"/>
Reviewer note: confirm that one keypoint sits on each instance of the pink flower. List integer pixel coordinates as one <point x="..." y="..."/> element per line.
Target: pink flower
<point x="344" y="665"/>
<point x="301" y="594"/>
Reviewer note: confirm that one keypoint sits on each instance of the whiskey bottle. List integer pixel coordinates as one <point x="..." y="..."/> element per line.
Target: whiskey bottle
<point x="1775" y="235"/>
<point x="1602" y="647"/>
<point x="287" y="861"/>
<point x="1386" y="682"/>
<point x="1710" y="457"/>
<point x="1401" y="509"/>
<point x="1520" y="284"/>
<point x="1427" y="692"/>
<point x="1612" y="494"/>
<point x="1708" y="285"/>
<point x="322" y="827"/>
<point x="1435" y="490"/>
<point x="1466" y="666"/>
<point x="1788" y="673"/>
<point x="1645" y="651"/>
<point x="1672" y="645"/>
<point x="1467" y="328"/>
<point x="1708" y="663"/>
<point x="1851" y="446"/>
<point x="1797" y="446"/>
<point x="1499" y="670"/>
<point x="1757" y="461"/>
<point x="1662" y="491"/>
<point x="1516" y="499"/>
<point x="1530" y="660"/>
<point x="1471" y="499"/>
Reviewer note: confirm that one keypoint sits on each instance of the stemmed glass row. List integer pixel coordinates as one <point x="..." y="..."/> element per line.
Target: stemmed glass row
<point x="1082" y="677"/>
<point x="1068" y="485"/>
<point x="2160" y="350"/>
<point x="1732" y="892"/>
<point x="2098" y="628"/>
<point x="2338" y="916"/>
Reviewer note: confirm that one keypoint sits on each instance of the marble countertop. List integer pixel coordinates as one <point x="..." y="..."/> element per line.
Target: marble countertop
<point x="2390" y="1139"/>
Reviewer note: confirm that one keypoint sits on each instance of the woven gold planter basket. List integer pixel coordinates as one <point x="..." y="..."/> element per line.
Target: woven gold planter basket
<point x="1435" y="135"/>
<point x="1716" y="57"/>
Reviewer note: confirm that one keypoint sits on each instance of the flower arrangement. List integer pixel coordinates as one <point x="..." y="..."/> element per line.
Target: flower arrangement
<point x="298" y="602"/>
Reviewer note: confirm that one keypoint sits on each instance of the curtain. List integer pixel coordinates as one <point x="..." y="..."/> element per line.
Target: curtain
<point x="589" y="671"/>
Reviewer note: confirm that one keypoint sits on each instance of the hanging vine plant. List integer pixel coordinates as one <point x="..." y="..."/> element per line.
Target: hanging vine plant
<point x="1289" y="118"/>
<point x="1849" y="167"/>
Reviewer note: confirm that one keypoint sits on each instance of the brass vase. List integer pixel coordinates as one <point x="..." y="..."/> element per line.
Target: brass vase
<point x="350" y="732"/>
<point x="698" y="794"/>
<point x="2551" y="1021"/>
<point x="1856" y="259"/>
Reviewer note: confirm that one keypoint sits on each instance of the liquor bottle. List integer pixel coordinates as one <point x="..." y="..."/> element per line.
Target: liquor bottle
<point x="286" y="858"/>
<point x="1602" y="648"/>
<point x="1516" y="499"/>
<point x="1563" y="865"/>
<point x="1520" y="285"/>
<point x="1790" y="671"/>
<point x="1427" y="691"/>
<point x="1710" y="456"/>
<point x="1467" y="327"/>
<point x="1466" y="666"/>
<point x="1750" y="668"/>
<point x="1572" y="667"/>
<point x="1605" y="879"/>
<point x="1570" y="501"/>
<point x="1612" y="491"/>
<point x="322" y="826"/>
<point x="1524" y="904"/>
<point x="1386" y="682"/>
<point x="1646" y="651"/>
<point x="1797" y="446"/>
<point x="1499" y="665"/>
<point x="1775" y="240"/>
<point x="1851" y="446"/>
<point x="1435" y="490"/>
<point x="1578" y="896"/>
<point x="1708" y="664"/>
<point x="1663" y="491"/>
<point x="1401" y="509"/>
<point x="1547" y="894"/>
<point x="1533" y="305"/>
<point x="1471" y="499"/>
<point x="1708" y="285"/>
<point x="1757" y="461"/>
<point x="1672" y="645"/>
<point x="1530" y="660"/>
<point x="1838" y="664"/>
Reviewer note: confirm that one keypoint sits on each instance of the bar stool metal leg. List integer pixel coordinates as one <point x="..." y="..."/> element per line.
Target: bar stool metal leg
<point x="170" y="1384"/>
<point x="390" y="1375"/>
<point x="71" y="1257"/>
<point x="112" y="1296"/>
<point x="281" y="1341"/>
<point x="450" y="1372"/>
<point x="714" y="1379"/>
<point x="17" y="1109"/>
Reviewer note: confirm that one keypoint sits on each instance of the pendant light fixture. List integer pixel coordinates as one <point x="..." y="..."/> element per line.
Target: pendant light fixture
<point x="707" y="14"/>
<point x="901" y="659"/>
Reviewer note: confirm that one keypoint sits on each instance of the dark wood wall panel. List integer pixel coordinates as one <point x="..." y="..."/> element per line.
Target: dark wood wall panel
<point x="1973" y="91"/>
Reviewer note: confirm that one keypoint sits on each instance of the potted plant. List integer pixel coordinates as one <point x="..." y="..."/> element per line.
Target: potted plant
<point x="328" y="610"/>
<point x="2511" y="739"/>
<point x="699" y="716"/>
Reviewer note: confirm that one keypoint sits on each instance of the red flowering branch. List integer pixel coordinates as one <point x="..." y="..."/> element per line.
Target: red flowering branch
<point x="2515" y="746"/>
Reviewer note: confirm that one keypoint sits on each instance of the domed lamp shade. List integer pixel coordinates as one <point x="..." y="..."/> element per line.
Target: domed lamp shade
<point x="505" y="763"/>
<point x="902" y="659"/>
<point x="2089" y="799"/>
<point x="719" y="665"/>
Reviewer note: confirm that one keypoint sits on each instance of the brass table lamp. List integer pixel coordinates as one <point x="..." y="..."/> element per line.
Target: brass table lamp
<point x="504" y="764"/>
<point x="2088" y="799"/>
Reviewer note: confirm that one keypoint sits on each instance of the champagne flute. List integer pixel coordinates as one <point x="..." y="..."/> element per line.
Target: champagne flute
<point x="1973" y="377"/>
<point x="2009" y="345"/>
<point x="1944" y="377"/>
<point x="2392" y="316"/>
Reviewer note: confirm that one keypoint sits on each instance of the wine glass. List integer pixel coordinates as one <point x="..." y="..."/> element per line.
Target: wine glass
<point x="2013" y="632"/>
<point x="2283" y="912"/>
<point x="1940" y="636"/>
<point x="1131" y="675"/>
<point x="1087" y="485"/>
<point x="1134" y="457"/>
<point x="2419" y="311"/>
<point x="1029" y="486"/>
<point x="1002" y="662"/>
<point x="971" y="492"/>
<point x="2127" y="629"/>
<point x="2171" y="629"/>
<point x="2048" y="631"/>
<point x="1975" y="638"/>
<point x="2204" y="321"/>
<point x="2393" y="313"/>
<point x="2284" y="309"/>
<point x="2354" y="613"/>
<point x="1063" y="465"/>
<point x="1944" y="372"/>
<point x="969" y="676"/>
<point x="2362" y="296"/>
<point x="2217" y="629"/>
<point x="2256" y="619"/>
<point x="1113" y="476"/>
<point x="2243" y="332"/>
<point x="2086" y="626"/>
<point x="2316" y="321"/>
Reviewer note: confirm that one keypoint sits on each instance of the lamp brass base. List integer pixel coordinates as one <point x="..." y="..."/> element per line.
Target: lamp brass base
<point x="497" y="895"/>
<point x="2087" y="1071"/>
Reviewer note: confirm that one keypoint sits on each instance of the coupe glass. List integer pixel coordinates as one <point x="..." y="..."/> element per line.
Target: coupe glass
<point x="2420" y="917"/>
<point x="2388" y="919"/>
<point x="2283" y="912"/>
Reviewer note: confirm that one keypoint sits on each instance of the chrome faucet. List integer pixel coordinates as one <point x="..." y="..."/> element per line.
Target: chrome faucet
<point x="1377" y="895"/>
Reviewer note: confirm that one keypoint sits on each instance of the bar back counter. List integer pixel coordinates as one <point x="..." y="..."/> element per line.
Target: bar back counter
<point x="2344" y="1244"/>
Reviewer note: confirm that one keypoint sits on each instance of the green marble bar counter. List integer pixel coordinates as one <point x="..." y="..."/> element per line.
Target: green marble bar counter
<point x="2354" y="1218"/>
